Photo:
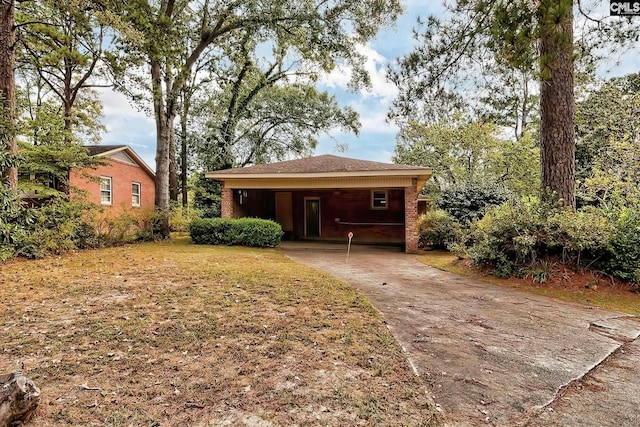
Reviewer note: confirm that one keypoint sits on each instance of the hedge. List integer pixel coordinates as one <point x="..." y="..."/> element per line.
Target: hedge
<point x="243" y="231"/>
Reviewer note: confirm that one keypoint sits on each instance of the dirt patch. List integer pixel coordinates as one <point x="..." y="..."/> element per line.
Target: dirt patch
<point x="178" y="334"/>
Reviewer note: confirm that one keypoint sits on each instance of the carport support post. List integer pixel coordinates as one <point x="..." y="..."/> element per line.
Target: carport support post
<point x="226" y="208"/>
<point x="411" y="219"/>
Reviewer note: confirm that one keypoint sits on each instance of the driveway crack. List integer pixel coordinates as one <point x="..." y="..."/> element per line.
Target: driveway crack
<point x="562" y="390"/>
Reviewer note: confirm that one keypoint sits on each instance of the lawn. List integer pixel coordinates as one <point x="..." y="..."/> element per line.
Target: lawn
<point x="585" y="287"/>
<point x="174" y="334"/>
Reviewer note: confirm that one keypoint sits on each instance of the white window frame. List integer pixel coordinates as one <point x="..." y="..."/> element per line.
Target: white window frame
<point x="107" y="179"/>
<point x="133" y="194"/>
<point x="385" y="199"/>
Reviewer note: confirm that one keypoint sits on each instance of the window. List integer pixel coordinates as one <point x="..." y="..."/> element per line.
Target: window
<point x="105" y="190"/>
<point x="379" y="199"/>
<point x="135" y="194"/>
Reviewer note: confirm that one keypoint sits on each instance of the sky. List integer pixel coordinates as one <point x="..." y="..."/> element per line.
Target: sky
<point x="377" y="139"/>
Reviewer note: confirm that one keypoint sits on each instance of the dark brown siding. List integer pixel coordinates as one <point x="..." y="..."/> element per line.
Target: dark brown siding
<point x="342" y="211"/>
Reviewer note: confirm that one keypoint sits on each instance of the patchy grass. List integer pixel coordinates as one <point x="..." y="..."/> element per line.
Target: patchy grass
<point x="581" y="287"/>
<point x="175" y="334"/>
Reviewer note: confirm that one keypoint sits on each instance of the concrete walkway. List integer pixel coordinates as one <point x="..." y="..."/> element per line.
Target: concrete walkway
<point x="496" y="356"/>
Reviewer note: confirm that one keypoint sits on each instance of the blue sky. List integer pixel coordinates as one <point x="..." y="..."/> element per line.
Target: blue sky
<point x="377" y="138"/>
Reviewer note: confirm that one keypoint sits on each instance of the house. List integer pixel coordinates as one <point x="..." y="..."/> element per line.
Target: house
<point x="326" y="197"/>
<point x="124" y="183"/>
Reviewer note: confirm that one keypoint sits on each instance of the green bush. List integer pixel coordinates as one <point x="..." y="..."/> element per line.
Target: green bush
<point x="128" y="227"/>
<point x="469" y="201"/>
<point x="56" y="227"/>
<point x="181" y="218"/>
<point x="521" y="237"/>
<point x="244" y="232"/>
<point x="623" y="253"/>
<point x="508" y="235"/>
<point x="579" y="233"/>
<point x="437" y="228"/>
<point x="207" y="197"/>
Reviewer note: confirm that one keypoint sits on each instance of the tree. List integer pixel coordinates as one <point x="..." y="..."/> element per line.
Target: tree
<point x="531" y="38"/>
<point x="321" y="32"/>
<point x="608" y="144"/>
<point x="469" y="153"/>
<point x="63" y="43"/>
<point x="8" y="91"/>
<point x="608" y="113"/>
<point x="557" y="130"/>
<point x="267" y="112"/>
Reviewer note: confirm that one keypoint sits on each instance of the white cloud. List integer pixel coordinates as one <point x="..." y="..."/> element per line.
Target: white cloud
<point x="115" y="104"/>
<point x="375" y="121"/>
<point x="126" y="125"/>
<point x="375" y="65"/>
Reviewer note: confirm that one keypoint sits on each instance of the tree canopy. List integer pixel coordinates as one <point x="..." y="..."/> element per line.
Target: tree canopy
<point x="463" y="152"/>
<point x="519" y="48"/>
<point x="608" y="143"/>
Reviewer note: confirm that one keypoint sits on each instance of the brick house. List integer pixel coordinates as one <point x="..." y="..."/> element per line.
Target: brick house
<point x="326" y="197"/>
<point x="125" y="183"/>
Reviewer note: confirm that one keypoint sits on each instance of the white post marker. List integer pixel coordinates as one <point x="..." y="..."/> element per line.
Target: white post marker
<point x="350" y="236"/>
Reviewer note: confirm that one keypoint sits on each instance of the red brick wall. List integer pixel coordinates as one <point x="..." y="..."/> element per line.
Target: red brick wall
<point x="226" y="208"/>
<point x="122" y="175"/>
<point x="411" y="235"/>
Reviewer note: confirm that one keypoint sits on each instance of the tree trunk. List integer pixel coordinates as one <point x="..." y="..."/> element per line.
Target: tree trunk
<point x="186" y="104"/>
<point x="19" y="397"/>
<point x="67" y="101"/>
<point x="173" y="168"/>
<point x="7" y="80"/>
<point x="164" y="123"/>
<point x="557" y="130"/>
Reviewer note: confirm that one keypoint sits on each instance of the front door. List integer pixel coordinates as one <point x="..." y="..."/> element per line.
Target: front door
<point x="312" y="217"/>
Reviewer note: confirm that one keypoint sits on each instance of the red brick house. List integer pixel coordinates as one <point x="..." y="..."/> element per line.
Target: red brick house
<point x="125" y="183"/>
<point x="326" y="197"/>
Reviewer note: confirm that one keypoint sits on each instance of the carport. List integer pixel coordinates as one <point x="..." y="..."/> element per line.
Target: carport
<point x="326" y="197"/>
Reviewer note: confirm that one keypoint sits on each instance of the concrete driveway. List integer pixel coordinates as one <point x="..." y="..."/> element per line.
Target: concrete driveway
<point x="496" y="356"/>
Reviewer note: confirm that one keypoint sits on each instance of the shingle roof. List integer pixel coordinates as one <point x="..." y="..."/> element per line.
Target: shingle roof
<point x="320" y="164"/>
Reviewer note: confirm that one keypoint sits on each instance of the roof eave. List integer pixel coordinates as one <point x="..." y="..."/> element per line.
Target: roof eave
<point x="221" y="176"/>
<point x="422" y="175"/>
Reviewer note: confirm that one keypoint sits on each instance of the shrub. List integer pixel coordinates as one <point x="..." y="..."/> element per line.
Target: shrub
<point x="623" y="253"/>
<point x="244" y="231"/>
<point x="578" y="233"/>
<point x="54" y="228"/>
<point x="128" y="227"/>
<point x="437" y="228"/>
<point x="181" y="218"/>
<point x="520" y="237"/>
<point x="469" y="201"/>
<point x="508" y="235"/>
<point x="206" y="197"/>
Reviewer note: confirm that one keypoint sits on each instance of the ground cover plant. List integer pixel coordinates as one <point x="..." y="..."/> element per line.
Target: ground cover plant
<point x="176" y="334"/>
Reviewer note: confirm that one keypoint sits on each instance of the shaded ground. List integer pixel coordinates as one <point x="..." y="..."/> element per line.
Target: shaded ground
<point x="493" y="355"/>
<point x="586" y="287"/>
<point x="173" y="334"/>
